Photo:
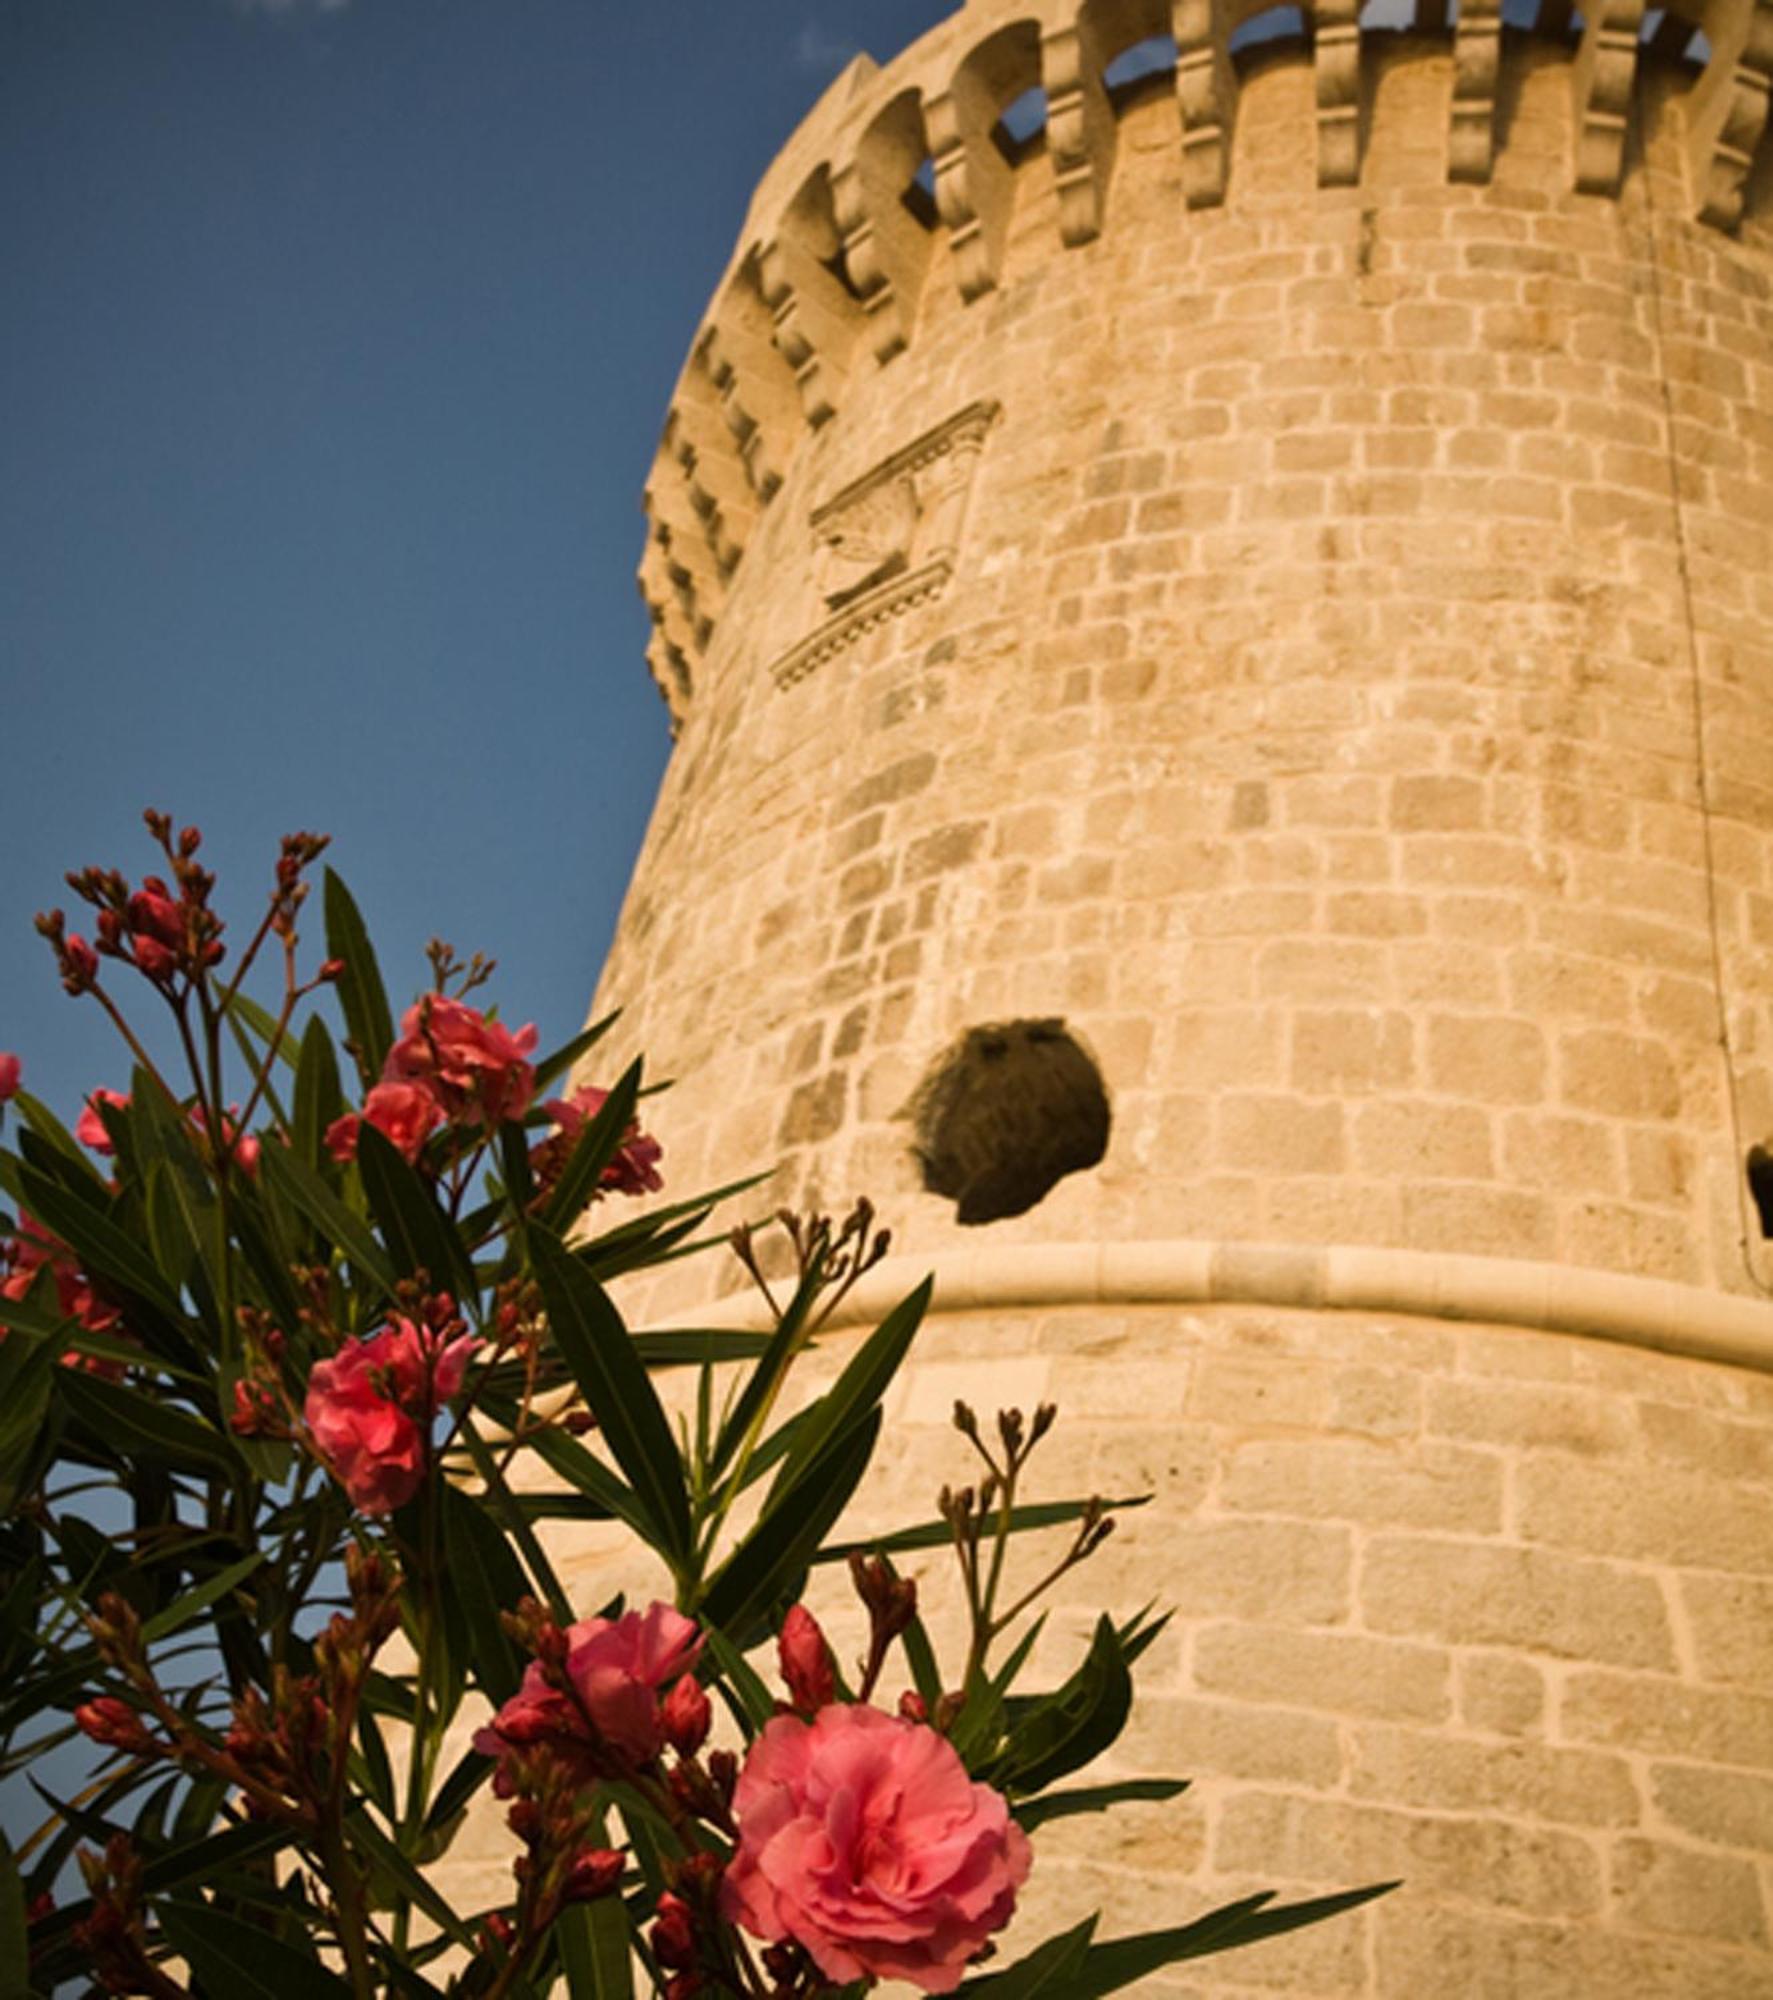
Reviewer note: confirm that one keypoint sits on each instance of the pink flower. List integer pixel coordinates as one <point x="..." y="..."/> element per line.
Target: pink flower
<point x="33" y="1251"/>
<point x="245" y="1148"/>
<point x="477" y="1069"/>
<point x="406" y="1114"/>
<point x="89" y="1127"/>
<point x="862" y="1838"/>
<point x="634" y="1169"/>
<point x="805" y="1661"/>
<point x="370" y="1408"/>
<point x="615" y="1668"/>
<point x="10" y="1069"/>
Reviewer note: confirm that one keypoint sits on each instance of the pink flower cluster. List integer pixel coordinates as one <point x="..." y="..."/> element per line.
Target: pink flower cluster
<point x="614" y="1669"/>
<point x="635" y="1166"/>
<point x="370" y="1409"/>
<point x="451" y="1065"/>
<point x="862" y="1838"/>
<point x="33" y="1251"/>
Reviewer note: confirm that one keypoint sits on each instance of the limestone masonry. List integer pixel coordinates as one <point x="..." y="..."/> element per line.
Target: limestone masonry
<point x="1230" y="553"/>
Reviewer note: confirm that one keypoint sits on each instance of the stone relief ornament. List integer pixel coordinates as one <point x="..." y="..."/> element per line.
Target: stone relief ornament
<point x="888" y="540"/>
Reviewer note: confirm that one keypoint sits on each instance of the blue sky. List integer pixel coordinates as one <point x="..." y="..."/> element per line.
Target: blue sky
<point x="336" y="341"/>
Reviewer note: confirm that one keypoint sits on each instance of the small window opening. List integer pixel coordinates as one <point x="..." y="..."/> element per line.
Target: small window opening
<point x="1005" y="1115"/>
<point x="1760" y="1186"/>
<point x="1653" y="19"/>
<point x="1021" y="123"/>
<point x="1698" y="50"/>
<point x="1522" y="14"/>
<point x="1154" y="56"/>
<point x="919" y="197"/>
<point x="1273" y="24"/>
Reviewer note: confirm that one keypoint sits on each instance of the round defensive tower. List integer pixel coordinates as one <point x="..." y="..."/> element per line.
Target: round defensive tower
<point x="1214" y="575"/>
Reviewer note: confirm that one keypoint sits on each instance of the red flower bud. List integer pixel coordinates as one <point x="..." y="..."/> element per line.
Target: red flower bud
<point x="9" y="1075"/>
<point x="333" y="968"/>
<point x="114" y="1723"/>
<point x="686" y="1716"/>
<point x="79" y="963"/>
<point x="806" y="1661"/>
<point x="674" y="1938"/>
<point x="913" y="1707"/>
<point x="594" y="1873"/>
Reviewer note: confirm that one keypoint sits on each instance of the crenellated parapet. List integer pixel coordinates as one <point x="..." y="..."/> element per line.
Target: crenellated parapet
<point x="899" y="195"/>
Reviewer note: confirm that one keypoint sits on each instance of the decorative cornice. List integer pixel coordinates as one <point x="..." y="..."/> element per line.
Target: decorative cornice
<point x="1421" y="1284"/>
<point x="884" y="602"/>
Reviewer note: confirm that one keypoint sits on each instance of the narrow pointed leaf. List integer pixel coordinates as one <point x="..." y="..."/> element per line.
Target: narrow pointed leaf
<point x="264" y="1026"/>
<point x="27" y="1381"/>
<point x="243" y="1960"/>
<point x="598" y="1142"/>
<point x="562" y="1059"/>
<point x="859" y="1388"/>
<point x="104" y="1248"/>
<point x="418" y="1234"/>
<point x="1108" y="1967"/>
<point x="938" y="1534"/>
<point x="595" y="1950"/>
<point x="1075" y="1724"/>
<point x="369" y="1839"/>
<point x="1095" y="1798"/>
<point x="362" y="997"/>
<point x="596" y="1347"/>
<point x="743" y="1679"/>
<point x="342" y="1227"/>
<point x="205" y="1861"/>
<point x="1048" y="1972"/>
<point x="485" y="1578"/>
<point x="15" y="1951"/>
<point x="181" y="1612"/>
<point x="319" y="1097"/>
<point x="793" y="1524"/>
<point x="132" y="1424"/>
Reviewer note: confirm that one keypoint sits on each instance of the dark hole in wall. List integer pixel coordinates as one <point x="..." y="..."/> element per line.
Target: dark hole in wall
<point x="1760" y="1185"/>
<point x="1005" y="1114"/>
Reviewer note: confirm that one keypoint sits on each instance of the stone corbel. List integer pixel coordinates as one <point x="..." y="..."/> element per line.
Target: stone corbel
<point x="1205" y="96"/>
<point x="973" y="183"/>
<point x="812" y="323"/>
<point x="1477" y="47"/>
<point x="1601" y="80"/>
<point x="1081" y="131"/>
<point x="1338" y="64"/>
<point x="1728" y="109"/>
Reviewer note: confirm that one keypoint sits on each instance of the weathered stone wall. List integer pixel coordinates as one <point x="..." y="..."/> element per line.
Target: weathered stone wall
<point x="1281" y="575"/>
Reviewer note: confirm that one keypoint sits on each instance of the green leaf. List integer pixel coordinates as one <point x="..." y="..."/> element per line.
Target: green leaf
<point x="485" y="1578"/>
<point x="15" y="1951"/>
<point x="1108" y="1967"/>
<point x="1050" y="1970"/>
<point x="760" y="1385"/>
<point x="595" y="1952"/>
<point x="362" y="997"/>
<point x="40" y="1119"/>
<point x="205" y="1861"/>
<point x="563" y="1058"/>
<point x="187" y="1607"/>
<point x="689" y="1347"/>
<point x="792" y="1525"/>
<point x="370" y="1840"/>
<point x="342" y="1227"/>
<point x="743" y="1680"/>
<point x="264" y="1026"/>
<point x="102" y="1247"/>
<point x="319" y="1099"/>
<point x="938" y="1534"/>
<point x="859" y="1388"/>
<point x="27" y="1380"/>
<point x="589" y="1477"/>
<point x="417" y="1232"/>
<point x="597" y="1144"/>
<point x="1065" y="1730"/>
<point x="597" y="1349"/>
<point x="470" y="1773"/>
<point x="505" y="1507"/>
<point x="243" y="1960"/>
<point x="1095" y="1798"/>
<point x="131" y="1425"/>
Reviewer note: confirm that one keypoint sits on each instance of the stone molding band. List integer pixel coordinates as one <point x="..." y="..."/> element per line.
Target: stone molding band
<point x="1444" y="1285"/>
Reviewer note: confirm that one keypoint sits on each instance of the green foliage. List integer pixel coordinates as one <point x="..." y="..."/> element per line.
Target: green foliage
<point x="202" y="1561"/>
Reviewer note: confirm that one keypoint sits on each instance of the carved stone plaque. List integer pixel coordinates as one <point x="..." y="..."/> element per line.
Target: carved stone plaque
<point x="889" y="540"/>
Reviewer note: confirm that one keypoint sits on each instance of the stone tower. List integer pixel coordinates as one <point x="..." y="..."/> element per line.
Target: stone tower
<point x="1214" y="573"/>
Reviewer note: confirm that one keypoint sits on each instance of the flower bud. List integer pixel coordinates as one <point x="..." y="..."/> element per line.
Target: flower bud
<point x="331" y="969"/>
<point x="594" y="1873"/>
<point x="686" y="1715"/>
<point x="806" y="1661"/>
<point x="673" y="1936"/>
<point x="9" y="1075"/>
<point x="913" y="1707"/>
<point x="113" y="1723"/>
